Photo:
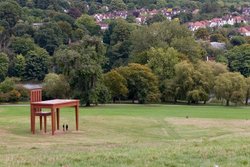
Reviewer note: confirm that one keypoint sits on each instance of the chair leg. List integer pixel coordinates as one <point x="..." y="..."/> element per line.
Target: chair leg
<point x="41" y="122"/>
<point x="45" y="123"/>
<point x="34" y="123"/>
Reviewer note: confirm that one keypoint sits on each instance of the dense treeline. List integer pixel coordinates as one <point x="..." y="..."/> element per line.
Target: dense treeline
<point x="159" y="62"/>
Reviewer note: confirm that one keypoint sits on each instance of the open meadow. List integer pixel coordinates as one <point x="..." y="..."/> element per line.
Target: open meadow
<point x="130" y="135"/>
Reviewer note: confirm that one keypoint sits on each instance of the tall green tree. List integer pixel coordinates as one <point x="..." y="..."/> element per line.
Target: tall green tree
<point x="4" y="64"/>
<point x="22" y="45"/>
<point x="88" y="22"/>
<point x="239" y="59"/>
<point x="86" y="58"/>
<point x="116" y="84"/>
<point x="162" y="61"/>
<point x="183" y="81"/>
<point x="36" y="64"/>
<point x="142" y="83"/>
<point x="202" y="33"/>
<point x="117" y="5"/>
<point x="49" y="37"/>
<point x="118" y="39"/>
<point x="247" y="90"/>
<point x="19" y="66"/>
<point x="231" y="87"/>
<point x="10" y="12"/>
<point x="166" y="34"/>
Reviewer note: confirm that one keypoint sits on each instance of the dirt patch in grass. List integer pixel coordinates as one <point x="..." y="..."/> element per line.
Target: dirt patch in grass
<point x="209" y="123"/>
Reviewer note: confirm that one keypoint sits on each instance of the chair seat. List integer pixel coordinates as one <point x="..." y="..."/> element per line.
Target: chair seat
<point x="42" y="113"/>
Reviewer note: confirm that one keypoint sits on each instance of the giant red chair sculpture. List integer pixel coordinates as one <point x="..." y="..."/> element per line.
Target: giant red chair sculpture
<point x="36" y="96"/>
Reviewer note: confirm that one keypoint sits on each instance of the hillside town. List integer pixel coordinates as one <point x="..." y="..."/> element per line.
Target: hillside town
<point x="142" y="15"/>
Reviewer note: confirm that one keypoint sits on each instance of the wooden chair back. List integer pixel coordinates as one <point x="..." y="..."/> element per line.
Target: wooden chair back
<point x="35" y="95"/>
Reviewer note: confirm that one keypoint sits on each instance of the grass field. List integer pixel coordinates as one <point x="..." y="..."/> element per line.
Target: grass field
<point x="130" y="135"/>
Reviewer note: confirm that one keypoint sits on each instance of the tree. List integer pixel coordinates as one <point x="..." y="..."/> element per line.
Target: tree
<point x="184" y="17"/>
<point x="64" y="18"/>
<point x="183" y="80"/>
<point x="116" y="84"/>
<point x="65" y="60"/>
<point x="163" y="35"/>
<point x="37" y="62"/>
<point x="56" y="86"/>
<point x="10" y="13"/>
<point x="202" y="33"/>
<point x="118" y="5"/>
<point x="161" y="3"/>
<point x="74" y="12"/>
<point x="217" y="68"/>
<point x="156" y="18"/>
<point x="247" y="89"/>
<point x="162" y="61"/>
<point x="189" y="47"/>
<point x="4" y="64"/>
<point x="192" y="82"/>
<point x="22" y="45"/>
<point x="88" y="22"/>
<point x="218" y="38"/>
<point x="230" y="86"/>
<point x="237" y="40"/>
<point x="142" y="83"/>
<point x="19" y="66"/>
<point x="49" y="37"/>
<point x="157" y="35"/>
<point x="239" y="59"/>
<point x="66" y="30"/>
<point x="42" y="4"/>
<point x="86" y="58"/>
<point x="118" y="38"/>
<point x="7" y="85"/>
<point x="21" y="29"/>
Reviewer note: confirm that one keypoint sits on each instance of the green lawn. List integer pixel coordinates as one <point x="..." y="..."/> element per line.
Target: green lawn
<point x="130" y="135"/>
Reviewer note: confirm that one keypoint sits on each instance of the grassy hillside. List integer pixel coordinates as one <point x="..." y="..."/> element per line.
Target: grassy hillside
<point x="130" y="135"/>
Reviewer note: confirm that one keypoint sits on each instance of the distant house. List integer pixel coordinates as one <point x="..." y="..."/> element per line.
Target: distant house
<point x="218" y="22"/>
<point x="37" y="25"/>
<point x="141" y="20"/>
<point x="215" y="22"/>
<point x="239" y="19"/>
<point x="218" y="45"/>
<point x="103" y="26"/>
<point x="196" y="25"/>
<point x="244" y="30"/>
<point x="246" y="11"/>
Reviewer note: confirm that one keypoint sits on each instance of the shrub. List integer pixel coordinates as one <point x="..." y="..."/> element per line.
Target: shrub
<point x="56" y="86"/>
<point x="7" y="85"/>
<point x="14" y="96"/>
<point x="23" y="92"/>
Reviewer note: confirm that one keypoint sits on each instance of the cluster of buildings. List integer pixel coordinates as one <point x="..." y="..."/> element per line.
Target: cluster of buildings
<point x="244" y="30"/>
<point x="226" y="20"/>
<point x="218" y="22"/>
<point x="141" y="15"/>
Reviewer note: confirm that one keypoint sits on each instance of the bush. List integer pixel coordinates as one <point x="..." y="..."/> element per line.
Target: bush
<point x="237" y="40"/>
<point x="14" y="96"/>
<point x="7" y="85"/>
<point x="4" y="97"/>
<point x="23" y="92"/>
<point x="56" y="86"/>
